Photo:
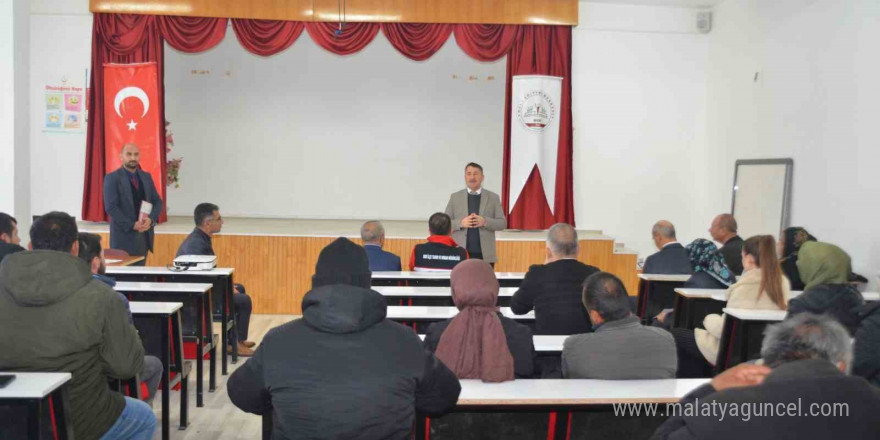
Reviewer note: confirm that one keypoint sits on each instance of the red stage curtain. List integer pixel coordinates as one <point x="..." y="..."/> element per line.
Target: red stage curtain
<point x="542" y="50"/>
<point x="192" y="34"/>
<point x="417" y="41"/>
<point x="354" y="36"/>
<point x="116" y="38"/>
<point x="486" y="42"/>
<point x="266" y="37"/>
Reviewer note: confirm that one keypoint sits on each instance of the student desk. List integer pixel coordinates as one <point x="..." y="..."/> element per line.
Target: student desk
<point x="422" y="316"/>
<point x="506" y="279"/>
<point x="562" y="396"/>
<point x="33" y="390"/>
<point x="431" y="295"/>
<point x="221" y="278"/>
<point x="196" y="298"/>
<point x="543" y="343"/>
<point x="655" y="293"/>
<point x="167" y="315"/>
<point x="742" y="335"/>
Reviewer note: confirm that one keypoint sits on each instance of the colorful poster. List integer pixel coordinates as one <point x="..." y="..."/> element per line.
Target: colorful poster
<point x="65" y="107"/>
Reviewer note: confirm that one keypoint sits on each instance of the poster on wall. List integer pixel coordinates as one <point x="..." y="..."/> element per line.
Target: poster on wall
<point x="65" y="106"/>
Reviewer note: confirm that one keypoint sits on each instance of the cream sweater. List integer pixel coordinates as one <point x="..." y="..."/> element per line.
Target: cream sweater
<point x="742" y="295"/>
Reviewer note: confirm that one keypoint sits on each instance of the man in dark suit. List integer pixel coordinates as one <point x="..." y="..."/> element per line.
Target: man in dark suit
<point x="124" y="191"/>
<point x="373" y="236"/>
<point x="208" y="222"/>
<point x="672" y="257"/>
<point x="802" y="391"/>
<point x="9" y="241"/>
<point x="723" y="230"/>
<point x="554" y="289"/>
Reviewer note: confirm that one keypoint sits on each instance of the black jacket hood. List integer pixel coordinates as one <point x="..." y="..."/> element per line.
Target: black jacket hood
<point x="341" y="308"/>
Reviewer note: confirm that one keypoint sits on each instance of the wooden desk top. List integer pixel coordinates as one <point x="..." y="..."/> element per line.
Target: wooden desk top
<point x="429" y="291"/>
<point x="559" y="392"/>
<point x="32" y="385"/>
<point x="441" y="313"/>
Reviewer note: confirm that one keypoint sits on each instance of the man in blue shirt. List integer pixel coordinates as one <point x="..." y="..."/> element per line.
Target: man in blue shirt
<point x="373" y="236"/>
<point x="209" y="222"/>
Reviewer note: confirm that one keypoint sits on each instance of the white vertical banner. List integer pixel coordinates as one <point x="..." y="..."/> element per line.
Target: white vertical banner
<point x="534" y="133"/>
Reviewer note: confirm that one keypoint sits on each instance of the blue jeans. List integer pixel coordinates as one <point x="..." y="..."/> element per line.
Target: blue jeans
<point x="137" y="422"/>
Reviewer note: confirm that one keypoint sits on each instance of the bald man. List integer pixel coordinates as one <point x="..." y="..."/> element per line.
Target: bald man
<point x="672" y="258"/>
<point x="723" y="230"/>
<point x="124" y="191"/>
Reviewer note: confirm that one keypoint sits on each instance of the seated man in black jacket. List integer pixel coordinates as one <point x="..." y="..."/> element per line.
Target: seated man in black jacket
<point x="343" y="370"/>
<point x="199" y="242"/>
<point x="554" y="289"/>
<point x="803" y="391"/>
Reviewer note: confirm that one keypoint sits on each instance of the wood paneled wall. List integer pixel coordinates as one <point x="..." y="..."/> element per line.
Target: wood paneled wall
<point x="277" y="270"/>
<point x="555" y="12"/>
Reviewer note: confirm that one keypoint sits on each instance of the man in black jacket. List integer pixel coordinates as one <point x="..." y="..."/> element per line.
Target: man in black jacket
<point x="554" y="289"/>
<point x="9" y="241"/>
<point x="343" y="370"/>
<point x="723" y="230"/>
<point x="803" y="391"/>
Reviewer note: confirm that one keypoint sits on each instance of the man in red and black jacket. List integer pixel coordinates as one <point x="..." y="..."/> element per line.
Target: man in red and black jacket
<point x="440" y="252"/>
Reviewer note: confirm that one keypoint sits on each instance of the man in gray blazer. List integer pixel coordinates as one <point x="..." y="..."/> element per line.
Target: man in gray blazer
<point x="476" y="214"/>
<point x="620" y="347"/>
<point x="124" y="191"/>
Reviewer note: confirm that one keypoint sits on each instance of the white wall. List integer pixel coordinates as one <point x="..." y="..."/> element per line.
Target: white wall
<point x="639" y="93"/>
<point x="309" y="134"/>
<point x="14" y="108"/>
<point x="61" y="47"/>
<point x="816" y="100"/>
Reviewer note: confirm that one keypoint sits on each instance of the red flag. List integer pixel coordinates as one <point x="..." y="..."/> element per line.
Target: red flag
<point x="131" y="115"/>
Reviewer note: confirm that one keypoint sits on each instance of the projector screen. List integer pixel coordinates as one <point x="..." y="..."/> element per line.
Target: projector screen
<point x="310" y="134"/>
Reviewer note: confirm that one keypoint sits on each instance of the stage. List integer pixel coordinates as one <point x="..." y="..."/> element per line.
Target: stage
<point x="275" y="258"/>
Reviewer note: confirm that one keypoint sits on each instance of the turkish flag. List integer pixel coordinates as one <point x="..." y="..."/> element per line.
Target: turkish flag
<point x="131" y="115"/>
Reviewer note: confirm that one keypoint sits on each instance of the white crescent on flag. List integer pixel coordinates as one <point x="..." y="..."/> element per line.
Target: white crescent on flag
<point x="534" y="134"/>
<point x="131" y="92"/>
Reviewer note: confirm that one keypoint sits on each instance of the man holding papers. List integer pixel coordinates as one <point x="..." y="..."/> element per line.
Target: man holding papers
<point x="133" y="205"/>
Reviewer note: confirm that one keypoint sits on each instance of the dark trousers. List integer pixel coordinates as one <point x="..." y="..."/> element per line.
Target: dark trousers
<point x="691" y="362"/>
<point x="243" y="307"/>
<point x="478" y="256"/>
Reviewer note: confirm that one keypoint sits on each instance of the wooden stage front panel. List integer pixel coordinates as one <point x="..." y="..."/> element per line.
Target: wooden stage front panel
<point x="277" y="270"/>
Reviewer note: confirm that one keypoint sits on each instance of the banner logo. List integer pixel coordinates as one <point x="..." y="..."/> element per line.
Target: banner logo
<point x="536" y="110"/>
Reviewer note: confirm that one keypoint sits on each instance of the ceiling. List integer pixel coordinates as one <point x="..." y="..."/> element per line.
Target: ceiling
<point x="678" y="3"/>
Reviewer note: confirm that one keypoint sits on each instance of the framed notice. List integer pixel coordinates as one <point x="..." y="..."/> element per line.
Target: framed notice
<point x="65" y="107"/>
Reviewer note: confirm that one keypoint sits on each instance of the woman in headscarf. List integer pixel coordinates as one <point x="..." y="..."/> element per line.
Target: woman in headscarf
<point x="710" y="268"/>
<point x="825" y="270"/>
<point x="788" y="247"/>
<point x="479" y="343"/>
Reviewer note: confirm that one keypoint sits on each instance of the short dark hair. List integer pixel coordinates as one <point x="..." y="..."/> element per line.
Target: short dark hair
<point x="54" y="231"/>
<point x="89" y="246"/>
<point x="204" y="212"/>
<point x="605" y="293"/>
<point x="439" y="224"/>
<point x="474" y="165"/>
<point x="7" y="222"/>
